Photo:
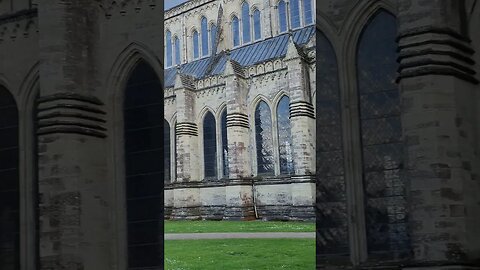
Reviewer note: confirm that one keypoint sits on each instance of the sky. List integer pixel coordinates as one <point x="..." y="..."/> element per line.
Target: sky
<point x="171" y="3"/>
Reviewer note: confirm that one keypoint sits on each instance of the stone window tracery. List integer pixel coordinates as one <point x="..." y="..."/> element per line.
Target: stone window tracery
<point x="224" y="144"/>
<point x="204" y="34"/>
<point x="213" y="36"/>
<point x="168" y="48"/>
<point x="177" y="51"/>
<point x="257" y="28"/>
<point x="209" y="146"/>
<point x="308" y="11"/>
<point x="282" y="16"/>
<point x="285" y="148"/>
<point x="295" y="20"/>
<point x="264" y="140"/>
<point x="235" y="31"/>
<point x="381" y="135"/>
<point x="195" y="44"/>
<point x="246" y="22"/>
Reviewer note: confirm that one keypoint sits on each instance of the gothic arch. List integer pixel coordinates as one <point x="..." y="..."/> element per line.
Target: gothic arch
<point x="116" y="82"/>
<point x="28" y="94"/>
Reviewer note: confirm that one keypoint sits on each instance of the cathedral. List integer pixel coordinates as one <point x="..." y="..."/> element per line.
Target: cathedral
<point x="116" y="115"/>
<point x="239" y="112"/>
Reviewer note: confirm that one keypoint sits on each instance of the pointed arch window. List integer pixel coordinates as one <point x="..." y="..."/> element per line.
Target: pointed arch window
<point x="381" y="135"/>
<point x="223" y="125"/>
<point x="282" y="16"/>
<point x="209" y="146"/>
<point x="235" y="31"/>
<point x="213" y="36"/>
<point x="177" y="51"/>
<point x="264" y="140"/>
<point x="9" y="183"/>
<point x="295" y="13"/>
<point x="166" y="152"/>
<point x="168" y="48"/>
<point x="308" y="11"/>
<point x="257" y="28"/>
<point x="285" y="149"/>
<point x="246" y="22"/>
<point x="143" y="131"/>
<point x="204" y="33"/>
<point x="196" y="53"/>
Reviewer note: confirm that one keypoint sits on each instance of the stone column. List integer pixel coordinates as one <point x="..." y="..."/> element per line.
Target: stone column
<point x="75" y="202"/>
<point x="239" y="192"/>
<point x="186" y="192"/>
<point x="437" y="82"/>
<point x="302" y="118"/>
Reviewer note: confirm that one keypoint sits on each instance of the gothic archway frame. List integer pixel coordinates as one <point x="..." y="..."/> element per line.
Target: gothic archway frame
<point x="116" y="83"/>
<point x="345" y="40"/>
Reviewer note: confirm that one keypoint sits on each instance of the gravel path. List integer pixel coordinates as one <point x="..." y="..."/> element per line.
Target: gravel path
<point x="197" y="236"/>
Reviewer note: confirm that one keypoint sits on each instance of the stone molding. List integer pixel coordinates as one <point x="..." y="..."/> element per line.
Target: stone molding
<point x="71" y="113"/>
<point x="186" y="128"/>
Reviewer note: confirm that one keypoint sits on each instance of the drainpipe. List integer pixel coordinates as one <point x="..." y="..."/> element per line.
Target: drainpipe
<point x="254" y="201"/>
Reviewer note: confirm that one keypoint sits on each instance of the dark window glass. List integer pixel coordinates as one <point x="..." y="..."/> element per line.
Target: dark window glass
<point x="143" y="112"/>
<point x="166" y="155"/>
<point x="307" y="11"/>
<point x="210" y="146"/>
<point x="195" y="45"/>
<point x="332" y="226"/>
<point x="204" y="33"/>
<point x="285" y="136"/>
<point x="168" y="48"/>
<point x="295" y="13"/>
<point x="383" y="162"/>
<point x="235" y="31"/>
<point x="9" y="183"/>
<point x="282" y="16"/>
<point x="246" y="22"/>
<point x="177" y="51"/>
<point x="257" y="28"/>
<point x="224" y="143"/>
<point x="213" y="36"/>
<point x="263" y="135"/>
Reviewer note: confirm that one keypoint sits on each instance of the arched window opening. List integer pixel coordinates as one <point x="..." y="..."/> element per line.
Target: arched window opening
<point x="143" y="130"/>
<point x="177" y="51"/>
<point x="166" y="152"/>
<point x="196" y="47"/>
<point x="246" y="22"/>
<point x="213" y="36"/>
<point x="282" y="16"/>
<point x="224" y="144"/>
<point x="285" y="149"/>
<point x="204" y="32"/>
<point x="209" y="146"/>
<point x="9" y="183"/>
<point x="264" y="140"/>
<point x="308" y="11"/>
<point x="168" y="48"/>
<point x="329" y="154"/>
<point x="381" y="130"/>
<point x="257" y="28"/>
<point x="235" y="31"/>
<point x="295" y="13"/>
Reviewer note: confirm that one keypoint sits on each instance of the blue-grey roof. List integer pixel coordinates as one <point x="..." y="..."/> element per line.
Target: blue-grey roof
<point x="272" y="48"/>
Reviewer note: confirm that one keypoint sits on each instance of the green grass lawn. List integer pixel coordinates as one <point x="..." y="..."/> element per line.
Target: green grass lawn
<point x="237" y="226"/>
<point x="240" y="254"/>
